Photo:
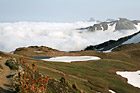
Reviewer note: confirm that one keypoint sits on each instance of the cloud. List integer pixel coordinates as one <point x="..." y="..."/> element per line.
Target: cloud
<point x="61" y="36"/>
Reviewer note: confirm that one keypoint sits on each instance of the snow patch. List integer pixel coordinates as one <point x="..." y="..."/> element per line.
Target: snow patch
<point x="38" y="51"/>
<point x="69" y="59"/>
<point x="138" y="26"/>
<point x="132" y="77"/>
<point x="102" y="28"/>
<point x="112" y="28"/>
<point x="135" y="39"/>
<point x="111" y="91"/>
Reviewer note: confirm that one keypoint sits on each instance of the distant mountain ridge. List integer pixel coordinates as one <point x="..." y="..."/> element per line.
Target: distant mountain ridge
<point x="111" y="44"/>
<point x="120" y="24"/>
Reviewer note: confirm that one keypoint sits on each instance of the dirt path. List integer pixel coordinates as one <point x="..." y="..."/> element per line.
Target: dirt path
<point x="69" y="75"/>
<point x="5" y="83"/>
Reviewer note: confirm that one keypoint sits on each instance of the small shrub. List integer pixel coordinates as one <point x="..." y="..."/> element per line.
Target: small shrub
<point x="30" y="81"/>
<point x="12" y="64"/>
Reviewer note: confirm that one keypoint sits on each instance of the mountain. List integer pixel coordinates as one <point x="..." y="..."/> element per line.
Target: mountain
<point x="93" y="20"/>
<point x="90" y="76"/>
<point x="109" y="20"/>
<point x="120" y="24"/>
<point x="111" y="44"/>
<point x="136" y="22"/>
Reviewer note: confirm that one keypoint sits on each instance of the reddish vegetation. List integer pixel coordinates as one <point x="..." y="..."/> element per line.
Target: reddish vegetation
<point x="28" y="82"/>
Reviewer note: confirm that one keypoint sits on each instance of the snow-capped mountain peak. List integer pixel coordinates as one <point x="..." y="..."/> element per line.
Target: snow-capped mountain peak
<point x="116" y="25"/>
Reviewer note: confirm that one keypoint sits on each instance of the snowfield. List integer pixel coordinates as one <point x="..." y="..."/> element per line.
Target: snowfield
<point x="69" y="59"/>
<point x="135" y="39"/>
<point x="60" y="36"/>
<point x="132" y="77"/>
<point x="111" y="91"/>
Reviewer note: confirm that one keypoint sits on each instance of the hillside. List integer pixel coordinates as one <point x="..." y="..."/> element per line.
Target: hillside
<point x="38" y="51"/>
<point x="42" y="51"/>
<point x="18" y="76"/>
<point x="128" y="47"/>
<point x="94" y="76"/>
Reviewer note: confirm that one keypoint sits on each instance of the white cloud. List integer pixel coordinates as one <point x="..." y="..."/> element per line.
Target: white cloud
<point x="61" y="36"/>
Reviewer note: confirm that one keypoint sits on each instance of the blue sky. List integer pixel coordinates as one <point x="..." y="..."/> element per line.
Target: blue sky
<point x="67" y="10"/>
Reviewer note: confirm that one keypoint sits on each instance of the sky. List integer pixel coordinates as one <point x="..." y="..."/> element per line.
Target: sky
<point x="67" y="10"/>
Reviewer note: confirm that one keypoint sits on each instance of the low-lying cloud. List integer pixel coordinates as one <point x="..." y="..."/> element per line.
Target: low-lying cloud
<point x="61" y="36"/>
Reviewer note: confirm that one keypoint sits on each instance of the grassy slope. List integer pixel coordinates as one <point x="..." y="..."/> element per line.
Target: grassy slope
<point x="1" y="67"/>
<point x="41" y="51"/>
<point x="98" y="75"/>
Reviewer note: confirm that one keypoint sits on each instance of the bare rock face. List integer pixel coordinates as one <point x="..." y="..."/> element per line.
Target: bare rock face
<point x="124" y="24"/>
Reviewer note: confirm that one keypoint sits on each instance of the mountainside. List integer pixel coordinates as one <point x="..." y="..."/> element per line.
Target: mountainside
<point x="120" y="24"/>
<point x="90" y="76"/>
<point x="18" y="76"/>
<point x="111" y="44"/>
<point x="127" y="47"/>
